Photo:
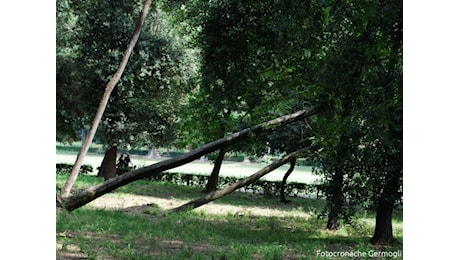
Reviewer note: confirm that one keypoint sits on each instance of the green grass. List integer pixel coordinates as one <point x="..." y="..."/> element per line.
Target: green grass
<point x="300" y="173"/>
<point x="115" y="234"/>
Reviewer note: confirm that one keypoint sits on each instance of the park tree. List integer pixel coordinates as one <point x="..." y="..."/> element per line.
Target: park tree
<point x="225" y="72"/>
<point x="344" y="55"/>
<point x="246" y="50"/>
<point x="384" y="138"/>
<point x="70" y="106"/>
<point x="141" y="110"/>
<point x="360" y="126"/>
<point x="264" y="59"/>
<point x="103" y="103"/>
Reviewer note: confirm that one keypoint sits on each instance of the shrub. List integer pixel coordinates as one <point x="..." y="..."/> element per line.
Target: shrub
<point x="66" y="168"/>
<point x="267" y="188"/>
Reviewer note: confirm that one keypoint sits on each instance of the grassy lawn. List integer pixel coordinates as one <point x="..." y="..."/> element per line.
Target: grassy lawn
<point x="300" y="173"/>
<point x="246" y="226"/>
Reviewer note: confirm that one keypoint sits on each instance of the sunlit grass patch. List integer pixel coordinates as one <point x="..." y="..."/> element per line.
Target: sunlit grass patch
<point x="144" y="230"/>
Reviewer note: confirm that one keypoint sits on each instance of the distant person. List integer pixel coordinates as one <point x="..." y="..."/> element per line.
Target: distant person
<point x="122" y="161"/>
<point x="128" y="162"/>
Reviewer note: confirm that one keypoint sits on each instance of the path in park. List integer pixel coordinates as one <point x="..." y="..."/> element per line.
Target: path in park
<point x="300" y="174"/>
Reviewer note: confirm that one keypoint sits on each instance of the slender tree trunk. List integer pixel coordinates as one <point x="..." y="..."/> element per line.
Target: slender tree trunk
<point x="242" y="182"/>
<point x="90" y="194"/>
<point x="335" y="201"/>
<point x="335" y="197"/>
<point x="102" y="105"/>
<point x="214" y="177"/>
<point x="283" y="183"/>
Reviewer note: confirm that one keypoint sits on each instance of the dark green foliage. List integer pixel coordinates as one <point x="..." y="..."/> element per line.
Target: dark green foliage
<point x="65" y="168"/>
<point x="361" y="124"/>
<point x="142" y="108"/>
<point x="70" y="107"/>
<point x="267" y="57"/>
<point x="268" y="188"/>
<point x="259" y="59"/>
<point x="245" y="46"/>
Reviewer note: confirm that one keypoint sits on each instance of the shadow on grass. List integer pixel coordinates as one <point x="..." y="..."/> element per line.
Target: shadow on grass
<point x="172" y="191"/>
<point x="167" y="190"/>
<point x="114" y="234"/>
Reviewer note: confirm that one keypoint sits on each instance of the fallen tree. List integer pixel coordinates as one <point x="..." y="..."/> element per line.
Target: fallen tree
<point x="77" y="200"/>
<point x="243" y="182"/>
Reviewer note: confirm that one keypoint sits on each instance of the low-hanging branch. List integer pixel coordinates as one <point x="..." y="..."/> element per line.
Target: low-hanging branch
<point x="243" y="182"/>
<point x="75" y="201"/>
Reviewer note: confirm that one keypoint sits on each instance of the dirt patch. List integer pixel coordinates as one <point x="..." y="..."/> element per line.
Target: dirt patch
<point x="68" y="251"/>
<point x="140" y="205"/>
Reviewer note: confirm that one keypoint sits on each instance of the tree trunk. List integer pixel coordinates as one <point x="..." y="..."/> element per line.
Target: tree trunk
<point x="90" y="194"/>
<point x="102" y="105"/>
<point x="283" y="183"/>
<point x="383" y="232"/>
<point x="335" y="197"/>
<point x="214" y="177"/>
<point x="108" y="168"/>
<point x="335" y="201"/>
<point x="333" y="221"/>
<point x="242" y="182"/>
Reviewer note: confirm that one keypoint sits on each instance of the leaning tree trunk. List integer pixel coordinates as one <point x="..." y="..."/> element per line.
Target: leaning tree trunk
<point x="214" y="177"/>
<point x="102" y="105"/>
<point x="283" y="183"/>
<point x="90" y="194"/>
<point x="242" y="182"/>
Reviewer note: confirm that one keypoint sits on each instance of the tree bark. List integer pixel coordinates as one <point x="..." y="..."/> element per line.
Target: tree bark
<point x="242" y="182"/>
<point x="90" y="194"/>
<point x="283" y="183"/>
<point x="214" y="177"/>
<point x="333" y="221"/>
<point x="102" y="105"/>
<point x="335" y="201"/>
<point x="108" y="168"/>
<point x="335" y="197"/>
<point x="383" y="232"/>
